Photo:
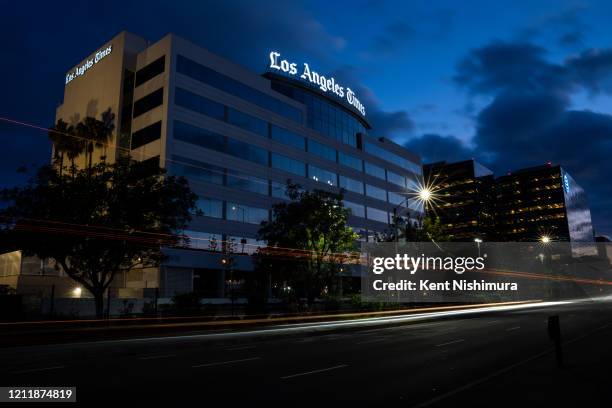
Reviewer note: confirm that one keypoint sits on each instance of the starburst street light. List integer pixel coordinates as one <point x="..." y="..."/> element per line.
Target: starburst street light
<point x="545" y="239"/>
<point x="425" y="194"/>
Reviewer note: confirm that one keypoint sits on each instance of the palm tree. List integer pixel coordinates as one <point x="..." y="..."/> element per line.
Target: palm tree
<point x="96" y="133"/>
<point x="65" y="143"/>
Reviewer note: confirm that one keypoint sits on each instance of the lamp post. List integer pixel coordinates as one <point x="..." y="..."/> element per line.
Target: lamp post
<point x="478" y="241"/>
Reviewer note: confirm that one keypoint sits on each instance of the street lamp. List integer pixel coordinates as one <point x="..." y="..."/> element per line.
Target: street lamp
<point x="545" y="239"/>
<point x="478" y="241"/>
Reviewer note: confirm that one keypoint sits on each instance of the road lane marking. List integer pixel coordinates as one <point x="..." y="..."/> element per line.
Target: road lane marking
<point x="242" y="360"/>
<point x="157" y="356"/>
<point x="513" y="328"/>
<point x="372" y="341"/>
<point x="33" y="370"/>
<point x="450" y="342"/>
<point x="322" y="370"/>
<point x="241" y="348"/>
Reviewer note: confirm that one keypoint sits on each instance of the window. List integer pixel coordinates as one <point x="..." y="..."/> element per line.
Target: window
<point x="150" y="71"/>
<point x="289" y="165"/>
<point x="199" y="104"/>
<point x="350" y="161"/>
<point x="289" y="138"/>
<point x="396" y="178"/>
<point x="247" y="152"/>
<point x="376" y="192"/>
<point x="198" y="136"/>
<point x="357" y="210"/>
<point x="374" y="170"/>
<point x="393" y="158"/>
<point x="247" y="245"/>
<point x="321" y="150"/>
<point x="196" y="170"/>
<point x="213" y="78"/>
<point x="146" y="103"/>
<point x="375" y="214"/>
<point x="397" y="199"/>
<point x="323" y="176"/>
<point x="245" y="182"/>
<point x="278" y="190"/>
<point x="350" y="184"/>
<point x="245" y="213"/>
<point x="210" y="207"/>
<point x="204" y="240"/>
<point x="247" y="122"/>
<point x="146" y="135"/>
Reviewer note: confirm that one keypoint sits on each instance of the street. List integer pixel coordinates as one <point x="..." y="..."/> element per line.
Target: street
<point x="497" y="357"/>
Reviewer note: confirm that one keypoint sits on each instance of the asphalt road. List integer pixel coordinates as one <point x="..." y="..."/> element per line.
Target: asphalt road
<point x="500" y="358"/>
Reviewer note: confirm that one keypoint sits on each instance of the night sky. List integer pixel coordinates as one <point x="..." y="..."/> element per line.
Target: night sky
<point x="511" y="86"/>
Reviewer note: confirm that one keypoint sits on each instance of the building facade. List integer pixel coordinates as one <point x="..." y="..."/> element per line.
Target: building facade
<point x="464" y="199"/>
<point x="237" y="136"/>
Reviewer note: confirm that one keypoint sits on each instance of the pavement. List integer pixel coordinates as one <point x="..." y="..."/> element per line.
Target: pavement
<point x="496" y="357"/>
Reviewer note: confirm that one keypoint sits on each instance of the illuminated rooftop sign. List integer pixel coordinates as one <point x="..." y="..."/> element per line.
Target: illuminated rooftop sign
<point x="326" y="84"/>
<point x="81" y="69"/>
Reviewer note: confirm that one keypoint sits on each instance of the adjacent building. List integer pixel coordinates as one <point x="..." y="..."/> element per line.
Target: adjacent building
<point x="238" y="136"/>
<point x="464" y="198"/>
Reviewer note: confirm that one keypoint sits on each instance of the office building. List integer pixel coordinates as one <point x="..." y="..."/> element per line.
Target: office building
<point x="464" y="199"/>
<point x="237" y="136"/>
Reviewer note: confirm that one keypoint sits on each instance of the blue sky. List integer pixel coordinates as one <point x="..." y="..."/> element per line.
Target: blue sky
<point x="512" y="84"/>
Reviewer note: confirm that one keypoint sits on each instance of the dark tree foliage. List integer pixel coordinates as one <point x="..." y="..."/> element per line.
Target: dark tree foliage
<point x="97" y="221"/>
<point x="405" y="229"/>
<point x="308" y="242"/>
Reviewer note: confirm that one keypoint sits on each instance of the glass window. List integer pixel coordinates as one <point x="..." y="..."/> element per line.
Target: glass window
<point x="196" y="170"/>
<point x="198" y="136"/>
<point x="323" y="176"/>
<point x="213" y="78"/>
<point x="289" y="138"/>
<point x="377" y="215"/>
<point x="204" y="240"/>
<point x="245" y="213"/>
<point x="289" y="165"/>
<point x="350" y="184"/>
<point x="278" y="190"/>
<point x="247" y="122"/>
<point x="247" y="182"/>
<point x="146" y="135"/>
<point x="350" y="161"/>
<point x="246" y="245"/>
<point x="392" y="158"/>
<point x="374" y="170"/>
<point x="150" y="71"/>
<point x="199" y="104"/>
<point x="149" y="102"/>
<point x="376" y="192"/>
<point x="357" y="210"/>
<point x="247" y="152"/>
<point x="397" y="199"/>
<point x="210" y="207"/>
<point x="395" y="178"/>
<point x="321" y="150"/>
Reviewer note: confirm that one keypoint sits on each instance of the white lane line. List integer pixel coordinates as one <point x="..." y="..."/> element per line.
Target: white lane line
<point x="241" y="348"/>
<point x="33" y="370"/>
<point x="157" y="356"/>
<point x="513" y="328"/>
<point x="494" y="321"/>
<point x="242" y="360"/>
<point x="372" y="341"/>
<point x="450" y="342"/>
<point x="322" y="370"/>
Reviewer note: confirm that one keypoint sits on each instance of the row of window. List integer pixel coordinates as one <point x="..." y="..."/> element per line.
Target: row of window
<point x="216" y="242"/>
<point x="213" y="78"/>
<point x="392" y="157"/>
<point x="214" y="141"/>
<point x="232" y="211"/>
<point x="205" y="106"/>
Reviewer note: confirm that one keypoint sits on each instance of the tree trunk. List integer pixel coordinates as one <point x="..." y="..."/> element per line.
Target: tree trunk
<point x="99" y="301"/>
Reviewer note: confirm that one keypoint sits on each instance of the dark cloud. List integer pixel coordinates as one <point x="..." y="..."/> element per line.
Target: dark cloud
<point x="435" y="147"/>
<point x="529" y="120"/>
<point x="393" y="37"/>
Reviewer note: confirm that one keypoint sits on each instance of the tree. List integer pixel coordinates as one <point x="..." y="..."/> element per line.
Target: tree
<point x="307" y="239"/>
<point x="403" y="228"/>
<point x="66" y="144"/>
<point x="99" y="221"/>
<point x="96" y="133"/>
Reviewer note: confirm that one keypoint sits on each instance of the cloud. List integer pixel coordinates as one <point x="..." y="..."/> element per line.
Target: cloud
<point x="529" y="119"/>
<point x="435" y="147"/>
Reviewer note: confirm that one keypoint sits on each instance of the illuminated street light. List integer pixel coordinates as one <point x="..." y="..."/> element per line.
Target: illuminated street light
<point x="545" y="239"/>
<point x="478" y="241"/>
<point x="76" y="292"/>
<point x="425" y="194"/>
